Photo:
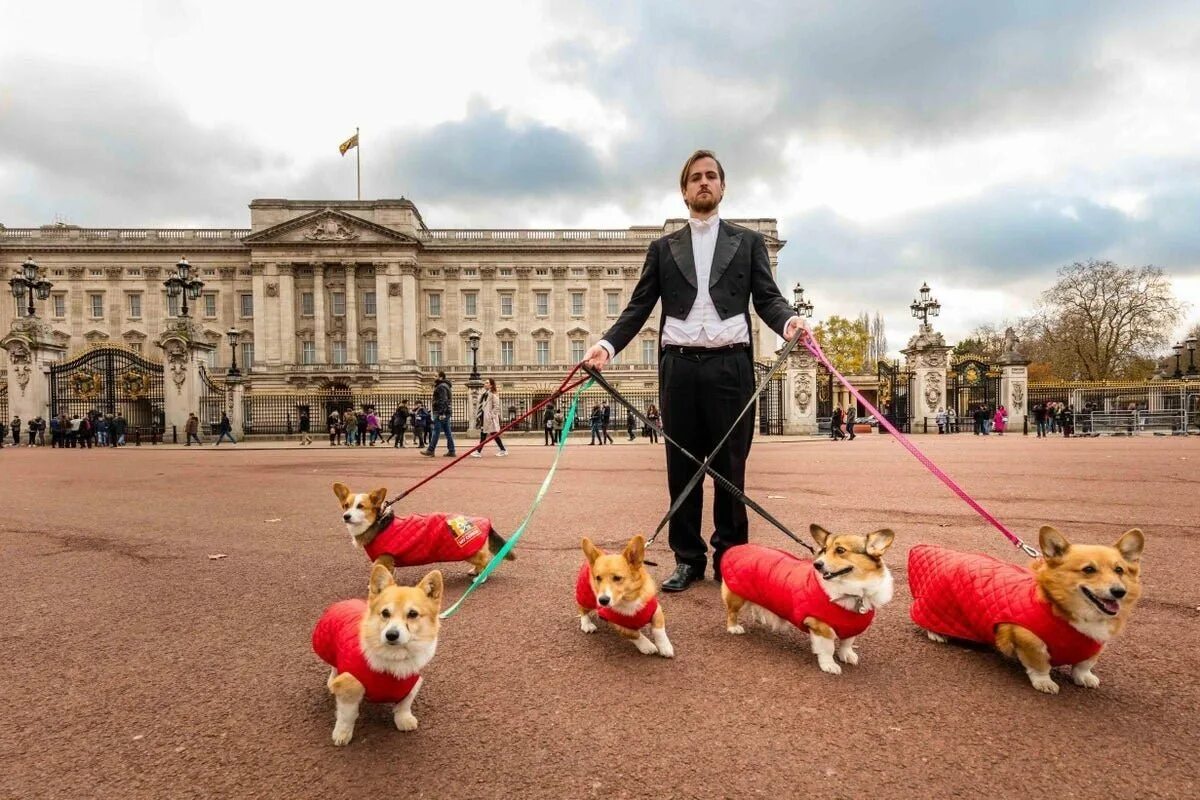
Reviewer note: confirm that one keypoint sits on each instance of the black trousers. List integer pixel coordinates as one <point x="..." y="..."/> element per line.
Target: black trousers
<point x="700" y="396"/>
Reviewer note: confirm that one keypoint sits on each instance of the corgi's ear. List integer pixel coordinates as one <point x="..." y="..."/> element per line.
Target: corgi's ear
<point x="879" y="541"/>
<point x="379" y="497"/>
<point x="591" y="551"/>
<point x="1131" y="544"/>
<point x="819" y="534"/>
<point x="635" y="551"/>
<point x="342" y="491"/>
<point x="1054" y="544"/>
<point x="432" y="585"/>
<point x="381" y="578"/>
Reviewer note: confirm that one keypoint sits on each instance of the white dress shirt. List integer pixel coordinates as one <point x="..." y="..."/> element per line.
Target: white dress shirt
<point x="704" y="326"/>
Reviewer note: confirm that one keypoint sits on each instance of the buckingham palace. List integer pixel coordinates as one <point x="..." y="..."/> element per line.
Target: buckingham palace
<point x="351" y="294"/>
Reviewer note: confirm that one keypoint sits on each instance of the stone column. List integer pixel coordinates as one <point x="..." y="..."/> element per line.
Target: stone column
<point x="270" y="343"/>
<point x="318" y="271"/>
<point x="351" y="313"/>
<point x="31" y="351"/>
<point x="383" y="314"/>
<point x="235" y="397"/>
<point x="287" y="314"/>
<point x="926" y="357"/>
<point x="408" y="291"/>
<point x="258" y="285"/>
<point x="800" y="395"/>
<point x="1014" y="388"/>
<point x="183" y="348"/>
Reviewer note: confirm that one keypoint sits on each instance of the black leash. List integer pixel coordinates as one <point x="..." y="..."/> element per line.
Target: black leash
<point x="706" y="464"/>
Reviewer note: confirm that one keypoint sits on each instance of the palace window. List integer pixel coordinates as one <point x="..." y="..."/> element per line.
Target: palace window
<point x="435" y="304"/>
<point x="337" y="352"/>
<point x="173" y="306"/>
<point x="135" y="306"/>
<point x="21" y="307"/>
<point x="435" y="354"/>
<point x="470" y="272"/>
<point x="506" y="304"/>
<point x="370" y="352"/>
<point x="470" y="304"/>
<point x="577" y="272"/>
<point x="369" y="304"/>
<point x="612" y="301"/>
<point x="136" y="347"/>
<point x="613" y="272"/>
<point x="506" y="353"/>
<point x="506" y="272"/>
<point x="648" y="351"/>
<point x="135" y="271"/>
<point x="308" y="352"/>
<point x="337" y="303"/>
<point x="210" y="305"/>
<point x="96" y="302"/>
<point x="543" y="303"/>
<point x="307" y="305"/>
<point x="577" y="304"/>
<point x="543" y="271"/>
<point x="96" y="273"/>
<point x="247" y="301"/>
<point x="577" y="350"/>
<point x="247" y="354"/>
<point x="60" y="305"/>
<point x="542" y="349"/>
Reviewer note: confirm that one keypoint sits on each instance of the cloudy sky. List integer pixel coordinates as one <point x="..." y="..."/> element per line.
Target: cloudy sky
<point x="976" y="146"/>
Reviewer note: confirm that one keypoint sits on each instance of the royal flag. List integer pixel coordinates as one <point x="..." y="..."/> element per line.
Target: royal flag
<point x="350" y="143"/>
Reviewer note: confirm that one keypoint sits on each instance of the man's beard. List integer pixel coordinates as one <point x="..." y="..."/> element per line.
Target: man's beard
<point x="704" y="203"/>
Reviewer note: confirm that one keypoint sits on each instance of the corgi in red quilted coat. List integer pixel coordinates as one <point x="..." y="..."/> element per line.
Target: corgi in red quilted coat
<point x="833" y="596"/>
<point x="618" y="588"/>
<point x="1060" y="611"/>
<point x="416" y="539"/>
<point x="377" y="649"/>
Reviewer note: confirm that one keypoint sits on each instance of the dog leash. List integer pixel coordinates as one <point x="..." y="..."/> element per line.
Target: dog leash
<point x="564" y="387"/>
<point x="520" y="531"/>
<point x="725" y="483"/>
<point x="814" y="348"/>
<point x="706" y="465"/>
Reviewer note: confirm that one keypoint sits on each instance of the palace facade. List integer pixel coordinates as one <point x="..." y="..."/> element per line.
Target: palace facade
<point x="354" y="294"/>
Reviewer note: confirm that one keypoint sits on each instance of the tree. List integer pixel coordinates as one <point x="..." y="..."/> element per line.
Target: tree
<point x="986" y="341"/>
<point x="1102" y="320"/>
<point x="878" y="349"/>
<point x="844" y="341"/>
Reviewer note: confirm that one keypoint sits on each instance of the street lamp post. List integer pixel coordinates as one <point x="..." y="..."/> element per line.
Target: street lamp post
<point x="1178" y="348"/>
<point x="474" y="341"/>
<point x="926" y="307"/>
<point x="474" y="382"/>
<point x="802" y="307"/>
<point x="30" y="282"/>
<point x="233" y="334"/>
<point x="1191" y="347"/>
<point x="182" y="283"/>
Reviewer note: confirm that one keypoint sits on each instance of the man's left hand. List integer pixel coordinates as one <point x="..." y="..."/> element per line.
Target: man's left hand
<point x="793" y="328"/>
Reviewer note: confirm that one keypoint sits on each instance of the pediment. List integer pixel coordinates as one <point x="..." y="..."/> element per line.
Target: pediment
<point x="506" y="333"/>
<point x="541" y="333"/>
<point x="96" y="336"/>
<point x="467" y="333"/>
<point x="434" y="333"/>
<point x="577" y="331"/>
<point x="329" y="225"/>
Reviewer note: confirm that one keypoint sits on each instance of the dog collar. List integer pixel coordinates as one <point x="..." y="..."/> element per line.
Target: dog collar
<point x="366" y="537"/>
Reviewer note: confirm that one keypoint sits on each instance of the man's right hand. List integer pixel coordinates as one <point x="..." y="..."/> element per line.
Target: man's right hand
<point x="596" y="357"/>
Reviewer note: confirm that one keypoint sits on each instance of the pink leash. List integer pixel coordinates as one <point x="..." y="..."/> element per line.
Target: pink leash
<point x="811" y="344"/>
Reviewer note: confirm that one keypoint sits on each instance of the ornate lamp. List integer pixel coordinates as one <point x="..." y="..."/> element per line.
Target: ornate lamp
<point x="801" y="306"/>
<point x="1191" y="348"/>
<point x="926" y="307"/>
<point x="30" y="282"/>
<point x="1178" y="348"/>
<point x="233" y="334"/>
<point x="473" y="339"/>
<point x="182" y="283"/>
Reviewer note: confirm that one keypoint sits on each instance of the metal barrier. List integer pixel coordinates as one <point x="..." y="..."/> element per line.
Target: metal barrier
<point x="1131" y="423"/>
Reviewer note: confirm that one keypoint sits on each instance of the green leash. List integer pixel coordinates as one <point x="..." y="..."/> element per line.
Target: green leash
<point x="568" y="424"/>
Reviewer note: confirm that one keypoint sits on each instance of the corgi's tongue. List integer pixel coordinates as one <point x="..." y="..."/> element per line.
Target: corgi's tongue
<point x="1111" y="606"/>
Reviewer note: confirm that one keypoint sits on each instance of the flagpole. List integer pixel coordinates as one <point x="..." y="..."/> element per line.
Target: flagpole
<point x="358" y="158"/>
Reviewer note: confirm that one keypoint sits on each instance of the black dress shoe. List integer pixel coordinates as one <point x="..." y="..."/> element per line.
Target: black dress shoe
<point x="683" y="577"/>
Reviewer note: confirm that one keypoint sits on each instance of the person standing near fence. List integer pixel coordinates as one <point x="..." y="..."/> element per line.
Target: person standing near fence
<point x="489" y="418"/>
<point x="851" y="418"/>
<point x="605" y="421"/>
<point x="190" y="430"/>
<point x="941" y="420"/>
<point x="305" y="428"/>
<point x="421" y="425"/>
<point x="631" y="426"/>
<point x="225" y="430"/>
<point x="14" y="428"/>
<point x="441" y="415"/>
<point x="548" y="426"/>
<point x="835" y="425"/>
<point x="596" y="419"/>
<point x="1068" y="421"/>
<point x="653" y="415"/>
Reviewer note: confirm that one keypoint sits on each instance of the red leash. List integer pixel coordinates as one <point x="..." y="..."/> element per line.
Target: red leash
<point x="564" y="387"/>
<point x="811" y="343"/>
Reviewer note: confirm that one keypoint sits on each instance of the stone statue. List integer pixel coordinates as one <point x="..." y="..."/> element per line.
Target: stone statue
<point x="1010" y="340"/>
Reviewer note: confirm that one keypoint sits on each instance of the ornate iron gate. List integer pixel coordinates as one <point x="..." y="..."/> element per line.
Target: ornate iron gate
<point x="213" y="397"/>
<point x="895" y="387"/>
<point x="824" y="398"/>
<point x="4" y="403"/>
<point x="770" y="403"/>
<point x="972" y="383"/>
<point x="109" y="379"/>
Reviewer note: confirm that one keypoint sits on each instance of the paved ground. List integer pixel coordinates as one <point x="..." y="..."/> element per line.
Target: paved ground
<point x="136" y="667"/>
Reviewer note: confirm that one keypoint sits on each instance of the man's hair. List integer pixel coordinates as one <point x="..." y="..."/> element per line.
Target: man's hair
<point x="441" y="373"/>
<point x="696" y="156"/>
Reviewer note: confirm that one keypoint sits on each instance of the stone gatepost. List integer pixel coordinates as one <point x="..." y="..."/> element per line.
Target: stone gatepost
<point x="31" y="351"/>
<point x="474" y="391"/>
<point x="235" y="397"/>
<point x="926" y="358"/>
<point x="800" y="394"/>
<point x="182" y="346"/>
<point x="1014" y="381"/>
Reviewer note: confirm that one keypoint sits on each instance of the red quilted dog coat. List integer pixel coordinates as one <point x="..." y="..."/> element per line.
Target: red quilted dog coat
<point x="335" y="639"/>
<point x="429" y="538"/>
<point x="788" y="587"/>
<point x="966" y="595"/>
<point x="585" y="596"/>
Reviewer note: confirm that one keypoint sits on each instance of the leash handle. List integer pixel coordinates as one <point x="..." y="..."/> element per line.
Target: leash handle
<point x="814" y="348"/>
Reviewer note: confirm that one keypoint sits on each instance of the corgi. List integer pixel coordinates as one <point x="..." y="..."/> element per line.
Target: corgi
<point x="833" y="597"/>
<point x="417" y="539"/>
<point x="619" y="589"/>
<point x="1060" y="611"/>
<point x="377" y="649"/>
